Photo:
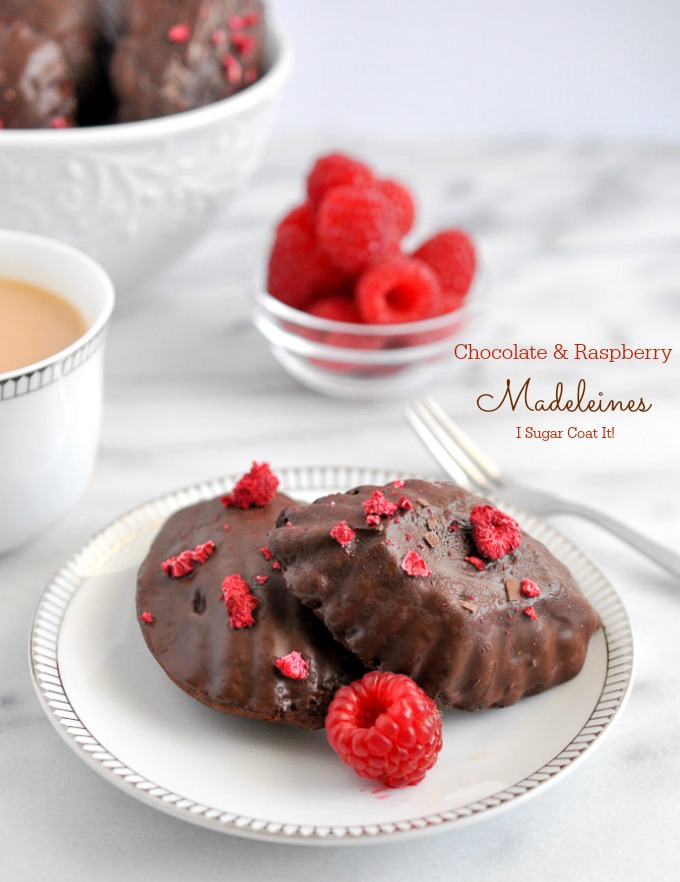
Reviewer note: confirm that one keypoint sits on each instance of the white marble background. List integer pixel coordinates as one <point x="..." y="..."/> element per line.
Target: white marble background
<point x="581" y="243"/>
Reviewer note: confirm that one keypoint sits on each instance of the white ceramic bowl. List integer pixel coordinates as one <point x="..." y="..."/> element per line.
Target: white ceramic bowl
<point x="357" y="360"/>
<point x="135" y="196"/>
<point x="50" y="411"/>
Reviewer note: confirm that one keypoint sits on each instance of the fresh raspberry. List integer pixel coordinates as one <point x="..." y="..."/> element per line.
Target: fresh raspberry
<point x="356" y="227"/>
<point x="451" y="255"/>
<point x="301" y="216"/>
<point x="338" y="307"/>
<point x="256" y="488"/>
<point x="336" y="170"/>
<point x="298" y="271"/>
<point x="398" y="290"/>
<point x="386" y="728"/>
<point x="494" y="533"/>
<point x="402" y="203"/>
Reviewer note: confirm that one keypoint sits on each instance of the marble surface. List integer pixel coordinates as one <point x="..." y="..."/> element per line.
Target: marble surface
<point x="580" y="243"/>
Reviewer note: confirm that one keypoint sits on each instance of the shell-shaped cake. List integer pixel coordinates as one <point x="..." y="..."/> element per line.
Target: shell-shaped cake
<point x="427" y="580"/>
<point x="216" y="616"/>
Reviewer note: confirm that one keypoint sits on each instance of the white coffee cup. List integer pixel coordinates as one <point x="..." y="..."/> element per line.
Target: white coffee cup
<point x="50" y="411"/>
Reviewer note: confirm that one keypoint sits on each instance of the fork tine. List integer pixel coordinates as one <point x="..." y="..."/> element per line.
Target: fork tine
<point x="447" y="451"/>
<point x="441" y="432"/>
<point x="480" y="460"/>
<point x="436" y="448"/>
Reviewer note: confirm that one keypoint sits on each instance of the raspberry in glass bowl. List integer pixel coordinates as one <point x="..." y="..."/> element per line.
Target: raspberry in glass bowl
<point x="348" y="308"/>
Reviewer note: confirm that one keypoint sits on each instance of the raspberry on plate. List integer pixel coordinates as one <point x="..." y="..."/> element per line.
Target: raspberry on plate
<point x="356" y="226"/>
<point x="336" y="170"/>
<point x="451" y="256"/>
<point x="399" y="290"/>
<point x="386" y="728"/>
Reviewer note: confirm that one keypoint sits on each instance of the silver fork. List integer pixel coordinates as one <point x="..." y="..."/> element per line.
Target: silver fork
<point x="463" y="461"/>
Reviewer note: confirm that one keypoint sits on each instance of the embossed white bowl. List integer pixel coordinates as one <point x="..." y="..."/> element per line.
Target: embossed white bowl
<point x="135" y="196"/>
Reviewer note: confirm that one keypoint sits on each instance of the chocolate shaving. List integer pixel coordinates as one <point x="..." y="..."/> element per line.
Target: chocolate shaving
<point x="423" y="503"/>
<point x="512" y="588"/>
<point x="432" y="523"/>
<point x="470" y="607"/>
<point x="432" y="539"/>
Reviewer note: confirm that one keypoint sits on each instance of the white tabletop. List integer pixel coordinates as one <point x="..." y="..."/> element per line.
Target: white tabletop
<point x="581" y="244"/>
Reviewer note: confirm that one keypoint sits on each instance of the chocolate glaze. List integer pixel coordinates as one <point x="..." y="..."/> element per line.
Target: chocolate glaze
<point x="232" y="670"/>
<point x="35" y="85"/>
<point x="482" y="654"/>
<point x="154" y="76"/>
<point x="71" y="23"/>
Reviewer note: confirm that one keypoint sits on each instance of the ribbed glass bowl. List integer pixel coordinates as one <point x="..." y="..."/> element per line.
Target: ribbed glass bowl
<point x="358" y="360"/>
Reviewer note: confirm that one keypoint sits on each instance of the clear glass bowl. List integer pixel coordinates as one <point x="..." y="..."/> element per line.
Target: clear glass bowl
<point x="356" y="360"/>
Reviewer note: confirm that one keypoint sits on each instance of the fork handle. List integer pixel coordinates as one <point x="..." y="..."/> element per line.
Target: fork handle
<point x="664" y="557"/>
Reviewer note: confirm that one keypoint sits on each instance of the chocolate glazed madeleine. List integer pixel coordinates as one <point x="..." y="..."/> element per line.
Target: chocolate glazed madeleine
<point x="187" y="627"/>
<point x="36" y="89"/>
<point x="463" y="629"/>
<point x="179" y="55"/>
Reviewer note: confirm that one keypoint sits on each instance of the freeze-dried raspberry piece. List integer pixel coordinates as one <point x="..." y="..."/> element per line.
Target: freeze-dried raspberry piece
<point x="244" y="44"/>
<point x="402" y="203"/>
<point x="529" y="588"/>
<point x="256" y="488"/>
<point x="202" y="552"/>
<point x="404" y="503"/>
<point x="356" y="227"/>
<point x="298" y="270"/>
<point x="476" y="562"/>
<point x="450" y="254"/>
<point x="386" y="728"/>
<point x="531" y="612"/>
<point x="376" y="504"/>
<point x="179" y="33"/>
<point x="178" y="565"/>
<point x="239" y="601"/>
<point x="343" y="533"/>
<point x="293" y="666"/>
<point x="494" y="533"/>
<point x="414" y="565"/>
<point x="336" y="170"/>
<point x="147" y="618"/>
<point x="397" y="290"/>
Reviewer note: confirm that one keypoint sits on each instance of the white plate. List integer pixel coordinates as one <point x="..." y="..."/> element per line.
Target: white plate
<point x="112" y="703"/>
